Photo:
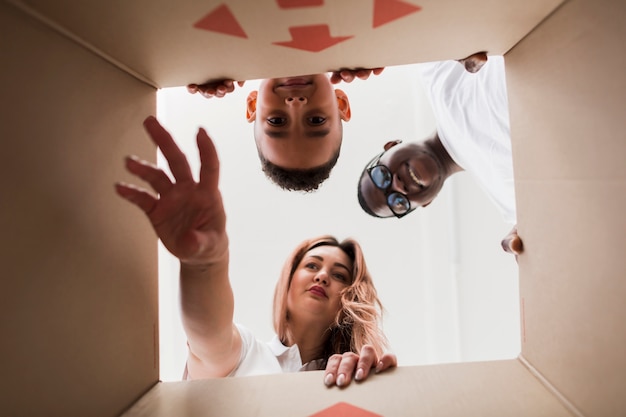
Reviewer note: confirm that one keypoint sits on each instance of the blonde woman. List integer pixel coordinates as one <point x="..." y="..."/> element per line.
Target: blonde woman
<point x="326" y="311"/>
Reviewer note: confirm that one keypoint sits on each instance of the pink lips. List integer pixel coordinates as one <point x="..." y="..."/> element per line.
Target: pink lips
<point x="317" y="290"/>
<point x="295" y="82"/>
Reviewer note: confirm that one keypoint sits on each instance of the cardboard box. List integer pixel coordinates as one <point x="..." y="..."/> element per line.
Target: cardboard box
<point x="79" y="77"/>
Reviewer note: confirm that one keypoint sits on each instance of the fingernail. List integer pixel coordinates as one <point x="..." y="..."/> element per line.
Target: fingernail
<point x="379" y="367"/>
<point x="359" y="374"/>
<point x="328" y="380"/>
<point x="341" y="380"/>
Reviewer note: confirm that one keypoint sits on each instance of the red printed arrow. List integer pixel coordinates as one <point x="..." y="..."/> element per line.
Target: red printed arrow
<point x="386" y="11"/>
<point x="221" y="20"/>
<point x="292" y="4"/>
<point x="314" y="38"/>
<point x="344" y="410"/>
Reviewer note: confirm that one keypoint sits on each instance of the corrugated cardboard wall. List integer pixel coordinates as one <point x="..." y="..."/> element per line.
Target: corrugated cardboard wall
<point x="78" y="309"/>
<point x="76" y="265"/>
<point x="567" y="92"/>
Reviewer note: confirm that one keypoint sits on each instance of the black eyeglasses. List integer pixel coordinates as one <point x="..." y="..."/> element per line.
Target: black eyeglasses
<point x="382" y="178"/>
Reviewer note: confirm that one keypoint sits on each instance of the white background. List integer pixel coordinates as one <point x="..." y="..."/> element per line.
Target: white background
<point x="450" y="292"/>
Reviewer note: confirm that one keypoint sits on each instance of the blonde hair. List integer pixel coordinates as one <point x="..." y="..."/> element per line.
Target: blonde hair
<point x="358" y="321"/>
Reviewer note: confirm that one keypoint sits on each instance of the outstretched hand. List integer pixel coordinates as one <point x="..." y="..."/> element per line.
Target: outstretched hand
<point x="348" y="75"/>
<point x="188" y="216"/>
<point x="342" y="368"/>
<point x="217" y="88"/>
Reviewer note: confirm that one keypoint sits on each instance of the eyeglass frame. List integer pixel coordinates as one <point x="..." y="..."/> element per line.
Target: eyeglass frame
<point x="374" y="163"/>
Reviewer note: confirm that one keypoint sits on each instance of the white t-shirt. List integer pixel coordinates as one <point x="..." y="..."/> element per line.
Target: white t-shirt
<point x="261" y="358"/>
<point x="473" y="124"/>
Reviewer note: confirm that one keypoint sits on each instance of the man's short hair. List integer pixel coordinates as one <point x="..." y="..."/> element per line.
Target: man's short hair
<point x="298" y="179"/>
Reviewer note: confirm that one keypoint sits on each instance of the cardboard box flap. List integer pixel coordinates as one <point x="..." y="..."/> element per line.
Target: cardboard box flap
<point x="468" y="389"/>
<point x="567" y="86"/>
<point x="173" y="44"/>
<point x="79" y="295"/>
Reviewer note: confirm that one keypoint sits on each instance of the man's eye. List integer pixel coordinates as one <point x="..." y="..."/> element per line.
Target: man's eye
<point x="316" y="120"/>
<point x="276" y="121"/>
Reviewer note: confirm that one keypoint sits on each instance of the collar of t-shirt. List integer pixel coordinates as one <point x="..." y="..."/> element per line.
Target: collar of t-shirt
<point x="290" y="359"/>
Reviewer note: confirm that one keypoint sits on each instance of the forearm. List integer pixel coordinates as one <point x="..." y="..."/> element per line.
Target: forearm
<point x="207" y="306"/>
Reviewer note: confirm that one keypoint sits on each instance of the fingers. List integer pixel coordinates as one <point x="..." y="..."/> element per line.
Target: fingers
<point x="364" y="74"/>
<point x="137" y="196"/>
<point x="335" y="78"/>
<point x="215" y="88"/>
<point x="474" y="62"/>
<point x="512" y="243"/>
<point x="219" y="90"/>
<point x="158" y="179"/>
<point x="341" y="368"/>
<point x="347" y="75"/>
<point x="367" y="360"/>
<point x="175" y="157"/>
<point x="388" y="360"/>
<point x="209" y="162"/>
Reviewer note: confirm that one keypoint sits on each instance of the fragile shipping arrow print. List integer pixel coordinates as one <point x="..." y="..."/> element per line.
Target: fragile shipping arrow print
<point x="313" y="38"/>
<point x="310" y="38"/>
<point x="221" y="20"/>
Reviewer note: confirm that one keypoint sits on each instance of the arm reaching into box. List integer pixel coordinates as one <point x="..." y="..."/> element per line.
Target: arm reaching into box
<point x="189" y="219"/>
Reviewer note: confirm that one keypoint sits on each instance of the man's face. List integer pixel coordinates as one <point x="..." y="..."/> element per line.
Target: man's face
<point x="414" y="173"/>
<point x="298" y="120"/>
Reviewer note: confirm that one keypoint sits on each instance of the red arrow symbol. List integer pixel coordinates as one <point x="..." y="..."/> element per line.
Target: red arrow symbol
<point x="221" y="20"/>
<point x="344" y="410"/>
<point x="314" y="38"/>
<point x="386" y="11"/>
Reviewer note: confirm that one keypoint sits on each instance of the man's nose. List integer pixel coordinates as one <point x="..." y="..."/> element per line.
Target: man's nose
<point x="398" y="185"/>
<point x="296" y="101"/>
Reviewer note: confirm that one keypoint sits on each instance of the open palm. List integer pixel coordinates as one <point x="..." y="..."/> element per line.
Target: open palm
<point x="188" y="216"/>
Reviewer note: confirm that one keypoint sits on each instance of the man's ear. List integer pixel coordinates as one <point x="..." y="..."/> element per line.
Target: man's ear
<point x="391" y="144"/>
<point x="251" y="106"/>
<point x="344" y="105"/>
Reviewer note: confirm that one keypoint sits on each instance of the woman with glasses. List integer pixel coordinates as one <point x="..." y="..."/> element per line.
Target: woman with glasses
<point x="326" y="309"/>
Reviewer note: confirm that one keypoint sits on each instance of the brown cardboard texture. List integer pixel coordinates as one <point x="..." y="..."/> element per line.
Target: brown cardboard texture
<point x="78" y="77"/>
<point x="161" y="42"/>
<point x="77" y="265"/>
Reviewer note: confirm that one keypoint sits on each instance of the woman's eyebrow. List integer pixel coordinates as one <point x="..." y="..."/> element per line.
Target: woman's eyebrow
<point x="343" y="266"/>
